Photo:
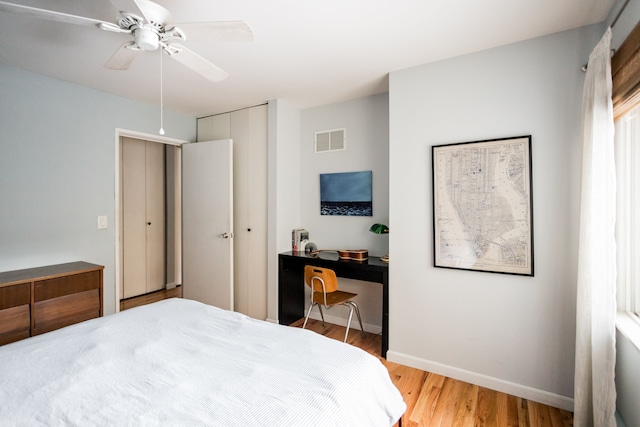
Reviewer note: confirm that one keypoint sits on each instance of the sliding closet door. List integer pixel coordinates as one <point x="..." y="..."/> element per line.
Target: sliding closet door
<point x="143" y="217"/>
<point x="249" y="126"/>
<point x="156" y="215"/>
<point x="134" y="240"/>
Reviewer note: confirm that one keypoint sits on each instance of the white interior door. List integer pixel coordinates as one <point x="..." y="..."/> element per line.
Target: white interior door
<point x="207" y="222"/>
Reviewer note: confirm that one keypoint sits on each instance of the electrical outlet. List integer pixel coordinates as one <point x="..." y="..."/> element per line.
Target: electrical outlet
<point x="102" y="222"/>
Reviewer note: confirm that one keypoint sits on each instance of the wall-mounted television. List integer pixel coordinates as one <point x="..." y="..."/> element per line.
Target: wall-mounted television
<point x="346" y="194"/>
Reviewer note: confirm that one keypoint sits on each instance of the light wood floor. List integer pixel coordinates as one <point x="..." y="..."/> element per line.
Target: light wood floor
<point x="433" y="400"/>
<point x="151" y="297"/>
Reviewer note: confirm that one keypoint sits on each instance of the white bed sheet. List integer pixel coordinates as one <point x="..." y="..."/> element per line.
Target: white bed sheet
<point x="180" y="362"/>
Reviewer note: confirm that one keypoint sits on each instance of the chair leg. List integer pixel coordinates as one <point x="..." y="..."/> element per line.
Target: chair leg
<point x="362" y="333"/>
<point x="321" y="314"/>
<point x="307" y="316"/>
<point x="346" y="334"/>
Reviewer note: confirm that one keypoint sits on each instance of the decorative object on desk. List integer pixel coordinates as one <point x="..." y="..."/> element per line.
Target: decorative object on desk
<point x="380" y="229"/>
<point x="299" y="239"/>
<point x="352" y="254"/>
<point x="346" y="194"/>
<point x="310" y="248"/>
<point x="482" y="206"/>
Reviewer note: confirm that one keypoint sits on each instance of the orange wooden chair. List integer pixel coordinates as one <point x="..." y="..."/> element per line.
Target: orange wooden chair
<point x="324" y="292"/>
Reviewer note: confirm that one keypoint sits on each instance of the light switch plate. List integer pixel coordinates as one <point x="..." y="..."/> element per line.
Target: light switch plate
<point x="102" y="222"/>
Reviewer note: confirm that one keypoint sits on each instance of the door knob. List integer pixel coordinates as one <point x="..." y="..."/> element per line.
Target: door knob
<point x="225" y="235"/>
<point x="148" y="223"/>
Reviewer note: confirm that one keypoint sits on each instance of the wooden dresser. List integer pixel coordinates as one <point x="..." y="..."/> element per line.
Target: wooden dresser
<point x="38" y="300"/>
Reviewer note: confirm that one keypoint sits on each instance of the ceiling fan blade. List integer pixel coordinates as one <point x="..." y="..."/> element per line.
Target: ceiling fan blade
<point x="51" y="15"/>
<point x="226" y="31"/>
<point x="196" y="62"/>
<point x="123" y="57"/>
<point x="129" y="6"/>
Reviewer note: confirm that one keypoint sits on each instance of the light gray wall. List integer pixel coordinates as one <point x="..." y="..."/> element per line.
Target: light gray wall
<point x="366" y="121"/>
<point x="628" y="379"/>
<point x="57" y="169"/>
<point x="283" y="204"/>
<point x="627" y="20"/>
<point x="511" y="333"/>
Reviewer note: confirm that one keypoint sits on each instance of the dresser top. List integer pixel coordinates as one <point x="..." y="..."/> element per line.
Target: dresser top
<point x="8" y="278"/>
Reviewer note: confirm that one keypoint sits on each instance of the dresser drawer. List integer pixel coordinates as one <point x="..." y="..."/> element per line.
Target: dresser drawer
<point x="61" y="286"/>
<point x="12" y="296"/>
<point x="15" y="323"/>
<point x="56" y="313"/>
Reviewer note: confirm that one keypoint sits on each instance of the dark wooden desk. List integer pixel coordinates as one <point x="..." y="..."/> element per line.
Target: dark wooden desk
<point x="291" y="283"/>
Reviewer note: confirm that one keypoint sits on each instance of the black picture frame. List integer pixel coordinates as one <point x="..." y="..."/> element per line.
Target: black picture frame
<point x="482" y="198"/>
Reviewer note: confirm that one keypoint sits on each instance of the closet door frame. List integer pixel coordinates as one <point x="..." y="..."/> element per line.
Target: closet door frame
<point x="177" y="215"/>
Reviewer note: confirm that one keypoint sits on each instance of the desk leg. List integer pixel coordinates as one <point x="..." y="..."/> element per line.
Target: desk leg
<point x="290" y="292"/>
<point x="385" y="314"/>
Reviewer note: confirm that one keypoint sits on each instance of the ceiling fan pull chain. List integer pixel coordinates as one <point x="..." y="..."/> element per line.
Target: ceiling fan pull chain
<point x="161" y="132"/>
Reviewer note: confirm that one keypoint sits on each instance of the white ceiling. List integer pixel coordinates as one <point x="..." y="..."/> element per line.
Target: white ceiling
<point x="308" y="52"/>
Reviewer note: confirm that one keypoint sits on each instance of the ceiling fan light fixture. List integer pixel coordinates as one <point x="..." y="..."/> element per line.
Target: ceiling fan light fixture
<point x="146" y="39"/>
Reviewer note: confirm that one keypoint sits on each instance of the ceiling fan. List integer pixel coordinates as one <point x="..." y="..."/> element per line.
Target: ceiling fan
<point x="151" y="27"/>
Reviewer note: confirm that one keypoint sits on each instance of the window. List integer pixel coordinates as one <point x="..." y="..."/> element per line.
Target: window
<point x="627" y="148"/>
<point x="625" y="73"/>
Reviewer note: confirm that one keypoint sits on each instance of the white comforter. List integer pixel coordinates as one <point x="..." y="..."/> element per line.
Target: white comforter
<point x="180" y="362"/>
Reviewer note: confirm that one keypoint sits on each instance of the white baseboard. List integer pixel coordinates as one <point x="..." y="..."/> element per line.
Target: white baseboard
<point x="335" y="320"/>
<point x="525" y="392"/>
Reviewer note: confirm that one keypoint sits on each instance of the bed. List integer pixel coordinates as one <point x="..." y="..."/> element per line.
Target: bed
<point x="181" y="362"/>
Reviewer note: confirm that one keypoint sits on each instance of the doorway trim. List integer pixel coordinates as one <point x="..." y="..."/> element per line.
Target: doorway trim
<point x="118" y="202"/>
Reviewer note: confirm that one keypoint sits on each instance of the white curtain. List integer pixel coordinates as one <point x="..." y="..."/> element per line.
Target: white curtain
<point x="594" y="390"/>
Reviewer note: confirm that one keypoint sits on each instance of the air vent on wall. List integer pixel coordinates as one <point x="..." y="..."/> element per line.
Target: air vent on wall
<point x="330" y="140"/>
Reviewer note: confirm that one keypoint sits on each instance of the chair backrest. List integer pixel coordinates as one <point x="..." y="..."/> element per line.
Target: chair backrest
<point x="315" y="276"/>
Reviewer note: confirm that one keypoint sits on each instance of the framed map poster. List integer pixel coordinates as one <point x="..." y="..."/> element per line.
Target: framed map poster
<point x="483" y="206"/>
